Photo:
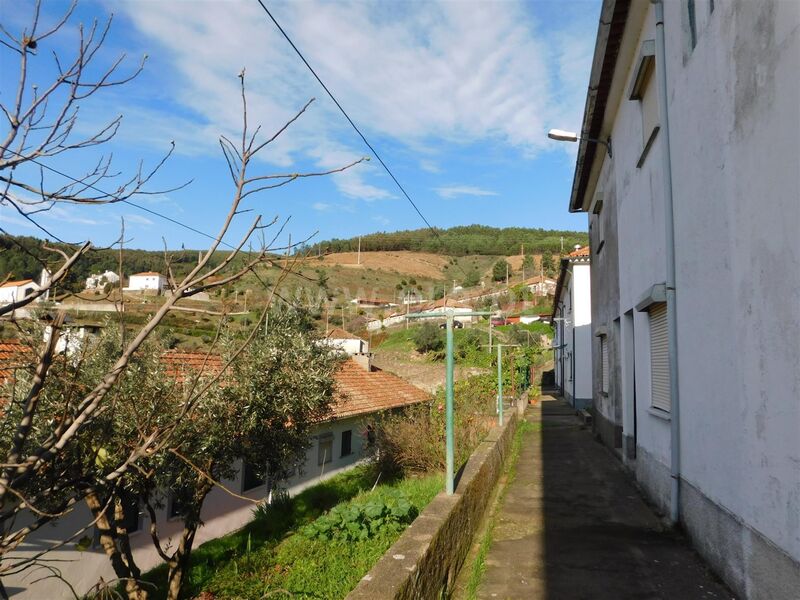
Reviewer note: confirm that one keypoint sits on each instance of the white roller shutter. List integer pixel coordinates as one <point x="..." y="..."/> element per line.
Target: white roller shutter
<point x="604" y="362"/>
<point x="659" y="357"/>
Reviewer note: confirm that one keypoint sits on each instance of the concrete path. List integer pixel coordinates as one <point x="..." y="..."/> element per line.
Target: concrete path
<point x="571" y="525"/>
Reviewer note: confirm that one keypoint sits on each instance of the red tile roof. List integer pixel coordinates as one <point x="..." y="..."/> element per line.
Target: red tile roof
<point x="360" y="392"/>
<point x="16" y="283"/>
<point x="179" y="364"/>
<point x="13" y="355"/>
<point x="584" y="251"/>
<point x="337" y="333"/>
<point x="146" y="273"/>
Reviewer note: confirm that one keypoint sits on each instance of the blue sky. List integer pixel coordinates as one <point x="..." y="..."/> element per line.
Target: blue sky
<point x="457" y="98"/>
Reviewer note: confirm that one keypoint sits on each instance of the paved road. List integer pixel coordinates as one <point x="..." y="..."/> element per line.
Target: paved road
<point x="572" y="526"/>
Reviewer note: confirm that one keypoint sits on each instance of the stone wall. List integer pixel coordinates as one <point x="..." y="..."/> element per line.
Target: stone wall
<point x="426" y="559"/>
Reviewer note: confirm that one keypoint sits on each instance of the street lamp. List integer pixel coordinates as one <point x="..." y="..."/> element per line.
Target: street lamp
<point x="570" y="136"/>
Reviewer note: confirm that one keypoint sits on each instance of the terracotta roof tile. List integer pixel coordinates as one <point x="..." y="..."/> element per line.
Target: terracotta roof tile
<point x="146" y="273"/>
<point x="584" y="251"/>
<point x="13" y="355"/>
<point x="359" y="391"/>
<point x="337" y="333"/>
<point x="179" y="364"/>
<point x="16" y="283"/>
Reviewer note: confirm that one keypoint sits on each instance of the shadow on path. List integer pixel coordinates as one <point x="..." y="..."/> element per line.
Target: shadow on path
<point x="572" y="525"/>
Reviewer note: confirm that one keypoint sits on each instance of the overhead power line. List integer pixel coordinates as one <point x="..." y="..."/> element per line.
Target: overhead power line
<point x="349" y="120"/>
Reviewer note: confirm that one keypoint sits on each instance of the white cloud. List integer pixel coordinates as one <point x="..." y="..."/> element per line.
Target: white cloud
<point x="454" y="191"/>
<point x="138" y="219"/>
<point x="320" y="206"/>
<point x="417" y="73"/>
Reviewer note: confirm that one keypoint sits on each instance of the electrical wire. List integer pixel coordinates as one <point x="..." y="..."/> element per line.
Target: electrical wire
<point x="354" y="126"/>
<point x="122" y="200"/>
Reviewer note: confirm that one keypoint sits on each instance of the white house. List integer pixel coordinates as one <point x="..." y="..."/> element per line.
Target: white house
<point x="14" y="291"/>
<point x="706" y="415"/>
<point x="572" y="319"/>
<point x="98" y="280"/>
<point x="346" y="341"/>
<point x="434" y="309"/>
<point x="149" y="280"/>
<point x="337" y="444"/>
<point x="540" y="285"/>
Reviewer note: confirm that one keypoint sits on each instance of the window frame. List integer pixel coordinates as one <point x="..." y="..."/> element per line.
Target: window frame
<point x="325" y="439"/>
<point x="347" y="436"/>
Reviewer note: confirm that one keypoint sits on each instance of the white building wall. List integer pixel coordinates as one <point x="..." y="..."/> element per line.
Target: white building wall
<point x="222" y="514"/>
<point x="735" y="134"/>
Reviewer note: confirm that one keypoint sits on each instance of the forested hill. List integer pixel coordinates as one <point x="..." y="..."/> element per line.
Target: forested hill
<point x="462" y="240"/>
<point x="21" y="256"/>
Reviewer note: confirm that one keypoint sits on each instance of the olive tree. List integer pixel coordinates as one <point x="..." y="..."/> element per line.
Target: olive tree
<point x="37" y="442"/>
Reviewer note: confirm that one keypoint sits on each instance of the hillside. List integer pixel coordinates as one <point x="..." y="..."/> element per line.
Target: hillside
<point x="460" y="241"/>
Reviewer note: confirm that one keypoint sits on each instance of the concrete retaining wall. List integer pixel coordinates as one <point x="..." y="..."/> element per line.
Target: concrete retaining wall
<point x="426" y="559"/>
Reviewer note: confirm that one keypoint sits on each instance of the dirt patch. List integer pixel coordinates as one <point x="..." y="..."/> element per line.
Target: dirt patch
<point x="419" y="264"/>
<point x="419" y="371"/>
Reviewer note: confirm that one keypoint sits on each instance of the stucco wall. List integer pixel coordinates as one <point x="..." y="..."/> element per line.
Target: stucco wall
<point x="734" y="105"/>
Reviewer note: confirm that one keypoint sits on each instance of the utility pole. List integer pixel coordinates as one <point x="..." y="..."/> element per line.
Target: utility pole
<point x="449" y="421"/>
<point x="343" y="327"/>
<point x="500" y="384"/>
<point x="359" y="250"/>
<point x="562" y="244"/>
<point x="506" y="273"/>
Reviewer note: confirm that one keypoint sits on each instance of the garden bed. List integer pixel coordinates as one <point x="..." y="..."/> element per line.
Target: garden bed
<point x="295" y="549"/>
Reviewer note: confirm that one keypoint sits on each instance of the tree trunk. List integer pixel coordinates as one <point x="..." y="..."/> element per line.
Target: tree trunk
<point x="179" y="565"/>
<point x="123" y="567"/>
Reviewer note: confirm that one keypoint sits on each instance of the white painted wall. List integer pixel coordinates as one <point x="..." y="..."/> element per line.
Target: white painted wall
<point x="147" y="282"/>
<point x="349" y="345"/>
<point x="735" y="133"/>
<point x="222" y="514"/>
<point x="15" y="293"/>
<point x="573" y="368"/>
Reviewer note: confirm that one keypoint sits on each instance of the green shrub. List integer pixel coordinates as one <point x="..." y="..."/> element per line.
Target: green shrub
<point x="363" y="520"/>
<point x="429" y="338"/>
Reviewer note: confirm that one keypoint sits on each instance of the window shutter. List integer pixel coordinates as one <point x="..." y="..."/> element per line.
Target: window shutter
<point x="604" y="362"/>
<point x="659" y="357"/>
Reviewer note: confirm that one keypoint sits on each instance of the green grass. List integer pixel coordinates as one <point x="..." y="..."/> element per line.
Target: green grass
<point x="479" y="565"/>
<point x="268" y="556"/>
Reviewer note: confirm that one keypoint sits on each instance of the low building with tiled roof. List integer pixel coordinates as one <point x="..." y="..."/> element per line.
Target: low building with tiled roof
<point x="346" y="341"/>
<point x="14" y="291"/>
<point x="365" y="390"/>
<point x="337" y="443"/>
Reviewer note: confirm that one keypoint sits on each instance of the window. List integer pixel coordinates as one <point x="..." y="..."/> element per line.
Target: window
<point x="644" y="89"/>
<point x="604" y="364"/>
<point x="250" y="477"/>
<point x="347" y="442"/>
<point x="659" y="357"/>
<point x="691" y="15"/>
<point x="325" y="449"/>
<point x="599" y="230"/>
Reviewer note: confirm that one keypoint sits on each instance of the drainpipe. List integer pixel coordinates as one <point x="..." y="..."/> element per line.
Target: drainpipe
<point x="669" y="221"/>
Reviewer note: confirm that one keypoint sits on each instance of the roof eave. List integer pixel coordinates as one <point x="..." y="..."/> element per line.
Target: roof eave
<point x="613" y="16"/>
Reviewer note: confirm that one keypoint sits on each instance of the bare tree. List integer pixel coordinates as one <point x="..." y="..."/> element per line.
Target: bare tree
<point x="36" y="477"/>
<point x="41" y="122"/>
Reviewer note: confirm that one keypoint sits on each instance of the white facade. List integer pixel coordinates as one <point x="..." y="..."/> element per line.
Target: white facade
<point x="734" y="126"/>
<point x="14" y="291"/>
<point x="222" y="514"/>
<point x="573" y="332"/>
<point x="147" y="281"/>
<point x="100" y="279"/>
